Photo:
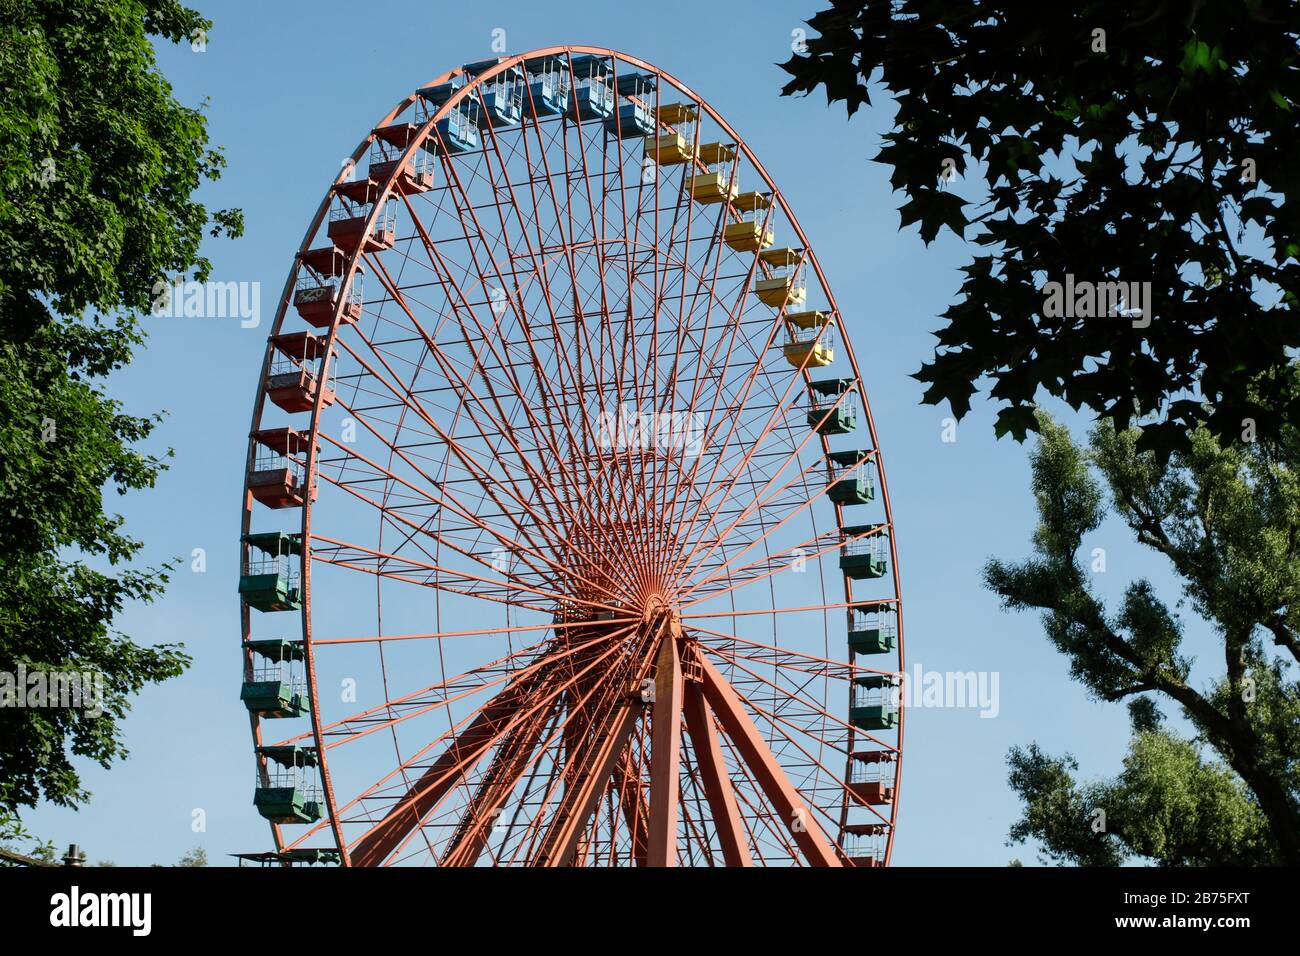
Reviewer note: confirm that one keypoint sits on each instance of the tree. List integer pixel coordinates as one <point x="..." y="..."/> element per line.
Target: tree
<point x="98" y="163"/>
<point x="1143" y="141"/>
<point x="14" y="837"/>
<point x="1227" y="519"/>
<point x="194" y="858"/>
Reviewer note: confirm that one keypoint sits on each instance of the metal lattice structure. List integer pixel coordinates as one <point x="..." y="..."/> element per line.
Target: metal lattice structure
<point x="571" y="501"/>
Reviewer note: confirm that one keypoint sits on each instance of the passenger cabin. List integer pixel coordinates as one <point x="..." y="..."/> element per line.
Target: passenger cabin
<point x="318" y="288"/>
<point x="276" y="479"/>
<point x="479" y="67"/>
<point x="410" y="176"/>
<point x="593" y="94"/>
<point x="547" y="87"/>
<point x="275" y="685"/>
<point x="634" y="116"/>
<point x="852" y="481"/>
<point x="864" y="843"/>
<point x="871" y="776"/>
<point x="359" y="225"/>
<point x="751" y="234"/>
<point x="286" y="784"/>
<point x="873" y="627"/>
<point x="864" y="553"/>
<point x="500" y="99"/>
<point x="811" y="342"/>
<point x="783" y="284"/>
<point x="269" y="575"/>
<point x="716" y="185"/>
<point x="293" y="379"/>
<point x="401" y="134"/>
<point x="874" y="705"/>
<point x="438" y="95"/>
<point x="388" y="145"/>
<point x="361" y="192"/>
<point x="676" y="143"/>
<point x="457" y="130"/>
<point x="832" y="409"/>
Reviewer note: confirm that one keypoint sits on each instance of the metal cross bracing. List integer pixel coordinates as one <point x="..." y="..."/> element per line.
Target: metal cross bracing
<point x="569" y="584"/>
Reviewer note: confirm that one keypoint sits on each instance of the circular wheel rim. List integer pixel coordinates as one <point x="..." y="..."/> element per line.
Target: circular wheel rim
<point x="683" y="672"/>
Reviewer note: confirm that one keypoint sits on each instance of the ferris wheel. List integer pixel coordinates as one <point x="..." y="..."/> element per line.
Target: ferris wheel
<point x="566" y="538"/>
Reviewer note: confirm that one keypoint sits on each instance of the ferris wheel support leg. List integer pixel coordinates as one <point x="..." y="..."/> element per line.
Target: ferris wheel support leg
<point x="627" y="779"/>
<point x="580" y="802"/>
<point x="508" y="765"/>
<point x="665" y="756"/>
<point x="717" y="785"/>
<point x="783" y="797"/>
<point x="409" y="812"/>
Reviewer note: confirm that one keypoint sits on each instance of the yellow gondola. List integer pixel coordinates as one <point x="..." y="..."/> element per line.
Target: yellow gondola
<point x="807" y="320"/>
<point x="779" y="291"/>
<point x="674" y="114"/>
<point x="811" y="343"/>
<point x="785" y="287"/>
<point x="811" y="354"/>
<point x="750" y="235"/>
<point x="713" y="153"/>
<point x="716" y="186"/>
<point x="747" y="236"/>
<point x="669" y="148"/>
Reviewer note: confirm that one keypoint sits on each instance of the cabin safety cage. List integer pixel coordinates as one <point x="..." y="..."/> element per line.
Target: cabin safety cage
<point x="565" y="537"/>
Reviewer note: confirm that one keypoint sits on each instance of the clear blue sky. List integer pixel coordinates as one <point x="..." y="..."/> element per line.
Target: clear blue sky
<point x="293" y="86"/>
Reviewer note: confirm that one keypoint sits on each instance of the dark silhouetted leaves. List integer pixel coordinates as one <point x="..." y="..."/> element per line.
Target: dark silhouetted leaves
<point x="1125" y="164"/>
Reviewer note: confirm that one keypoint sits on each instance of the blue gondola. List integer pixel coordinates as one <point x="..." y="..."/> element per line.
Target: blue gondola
<point x="501" y="99"/>
<point x="438" y="94"/>
<point x="632" y="120"/>
<point x="547" y="87"/>
<point x="458" y="128"/>
<point x="635" y="117"/>
<point x="593" y="97"/>
<point x="482" y="66"/>
<point x="640" y="85"/>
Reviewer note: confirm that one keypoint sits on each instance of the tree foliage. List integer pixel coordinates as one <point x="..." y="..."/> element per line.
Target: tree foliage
<point x="196" y="857"/>
<point x="15" y="838"/>
<point x="1144" y="141"/>
<point x="1227" y="519"/>
<point x="1168" y="805"/>
<point x="98" y="166"/>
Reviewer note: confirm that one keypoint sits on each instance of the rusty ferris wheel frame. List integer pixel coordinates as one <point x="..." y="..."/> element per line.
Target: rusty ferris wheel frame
<point x="667" y="679"/>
